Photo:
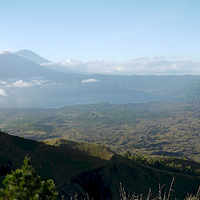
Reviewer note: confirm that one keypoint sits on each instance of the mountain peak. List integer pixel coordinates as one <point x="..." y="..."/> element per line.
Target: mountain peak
<point x="30" y="55"/>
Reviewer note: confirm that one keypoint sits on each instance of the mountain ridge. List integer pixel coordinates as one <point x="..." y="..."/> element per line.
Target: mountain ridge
<point x="76" y="172"/>
<point x="30" y="55"/>
<point x="12" y="66"/>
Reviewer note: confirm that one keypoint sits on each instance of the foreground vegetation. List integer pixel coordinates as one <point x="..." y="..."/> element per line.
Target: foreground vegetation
<point x="24" y="183"/>
<point x="169" y="128"/>
<point x="165" y="196"/>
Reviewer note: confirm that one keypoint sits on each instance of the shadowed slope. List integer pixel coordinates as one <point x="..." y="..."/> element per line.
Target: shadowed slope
<point x="57" y="162"/>
<point x="89" y="168"/>
<point x="104" y="182"/>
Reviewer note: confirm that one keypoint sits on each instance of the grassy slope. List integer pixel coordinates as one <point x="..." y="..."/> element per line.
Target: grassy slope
<point x="83" y="167"/>
<point x="57" y="162"/>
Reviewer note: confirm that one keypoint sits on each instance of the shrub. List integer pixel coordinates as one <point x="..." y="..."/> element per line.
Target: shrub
<point x="24" y="183"/>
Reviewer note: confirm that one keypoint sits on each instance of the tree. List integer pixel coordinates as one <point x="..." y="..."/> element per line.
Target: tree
<point x="26" y="184"/>
<point x="127" y="154"/>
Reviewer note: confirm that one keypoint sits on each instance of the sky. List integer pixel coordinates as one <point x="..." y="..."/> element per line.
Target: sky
<point x="105" y="31"/>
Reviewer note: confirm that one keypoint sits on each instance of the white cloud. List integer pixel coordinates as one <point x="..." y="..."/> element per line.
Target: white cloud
<point x="144" y="66"/>
<point x="72" y="62"/>
<point x="69" y="63"/>
<point x="46" y="64"/>
<point x="3" y="93"/>
<point x="21" y="83"/>
<point x="6" y="51"/>
<point x="3" y="82"/>
<point x="159" y="65"/>
<point x="37" y="82"/>
<point x="120" y="68"/>
<point x="89" y="80"/>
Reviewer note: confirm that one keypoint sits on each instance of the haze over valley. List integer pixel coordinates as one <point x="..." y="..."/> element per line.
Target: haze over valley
<point x="26" y="83"/>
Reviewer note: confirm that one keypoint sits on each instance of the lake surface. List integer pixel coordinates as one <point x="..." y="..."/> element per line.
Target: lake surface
<point x="62" y="96"/>
<point x="114" y="96"/>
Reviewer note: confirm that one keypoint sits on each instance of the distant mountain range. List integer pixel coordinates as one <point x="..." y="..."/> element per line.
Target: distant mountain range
<point x="80" y="168"/>
<point x="25" y="83"/>
<point x="14" y="66"/>
<point x="30" y="55"/>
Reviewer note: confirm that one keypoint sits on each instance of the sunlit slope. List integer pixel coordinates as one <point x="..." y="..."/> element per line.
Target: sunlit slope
<point x="169" y="128"/>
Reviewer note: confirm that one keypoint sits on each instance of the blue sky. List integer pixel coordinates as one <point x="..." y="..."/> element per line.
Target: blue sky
<point x="109" y="30"/>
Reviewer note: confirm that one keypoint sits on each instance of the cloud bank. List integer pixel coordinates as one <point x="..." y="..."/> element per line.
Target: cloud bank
<point x="21" y="84"/>
<point x="159" y="65"/>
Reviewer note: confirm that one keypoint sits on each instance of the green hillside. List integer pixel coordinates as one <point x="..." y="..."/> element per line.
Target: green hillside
<point x="91" y="168"/>
<point x="60" y="162"/>
<point x="169" y="128"/>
